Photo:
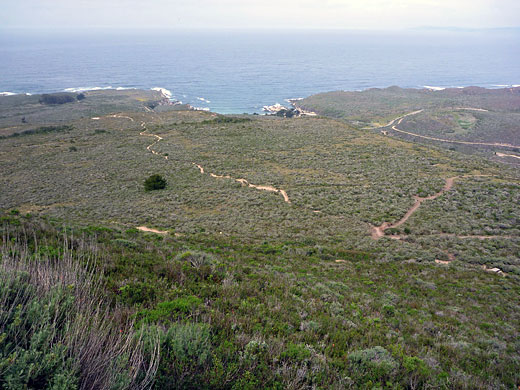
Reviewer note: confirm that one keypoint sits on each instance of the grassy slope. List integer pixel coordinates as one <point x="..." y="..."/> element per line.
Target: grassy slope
<point x="288" y="315"/>
<point x="280" y="278"/>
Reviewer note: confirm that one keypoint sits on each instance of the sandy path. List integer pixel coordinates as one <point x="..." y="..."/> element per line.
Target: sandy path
<point x="157" y="140"/>
<point x="471" y="109"/>
<point x="148" y="230"/>
<point x="144" y="133"/>
<point x="497" y="144"/>
<point x="394" y="120"/>
<point x="120" y="116"/>
<point x="244" y="182"/>
<point x="507" y="155"/>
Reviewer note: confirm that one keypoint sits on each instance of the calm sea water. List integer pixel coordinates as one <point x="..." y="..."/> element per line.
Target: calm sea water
<point x="235" y="72"/>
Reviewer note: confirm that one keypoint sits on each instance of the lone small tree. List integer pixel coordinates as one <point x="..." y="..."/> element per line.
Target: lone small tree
<point x="155" y="182"/>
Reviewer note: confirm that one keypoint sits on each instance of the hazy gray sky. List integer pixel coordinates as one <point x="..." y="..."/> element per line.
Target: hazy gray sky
<point x="347" y="14"/>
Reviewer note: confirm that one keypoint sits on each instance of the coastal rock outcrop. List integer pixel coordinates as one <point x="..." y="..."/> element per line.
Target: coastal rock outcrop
<point x="287" y="112"/>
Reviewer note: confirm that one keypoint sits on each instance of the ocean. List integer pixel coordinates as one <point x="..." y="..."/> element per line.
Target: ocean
<point x="238" y="71"/>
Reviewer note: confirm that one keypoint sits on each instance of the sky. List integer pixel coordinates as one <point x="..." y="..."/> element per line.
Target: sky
<point x="257" y="14"/>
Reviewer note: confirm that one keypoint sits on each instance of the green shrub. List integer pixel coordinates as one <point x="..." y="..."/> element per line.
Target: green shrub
<point x="389" y="310"/>
<point x="51" y="313"/>
<point x="296" y="352"/>
<point x="199" y="266"/>
<point x="40" y="130"/>
<point x="57" y="98"/>
<point x="373" y="364"/>
<point x="155" y="182"/>
<point x="185" y="357"/>
<point x="135" y="293"/>
<point x="170" y="309"/>
<point x="196" y="259"/>
<point x="125" y="243"/>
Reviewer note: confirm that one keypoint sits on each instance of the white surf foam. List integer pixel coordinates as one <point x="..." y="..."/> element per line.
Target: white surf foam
<point x="434" y="88"/>
<point x="167" y="94"/>
<point x="7" y="93"/>
<point x="84" y="89"/>
<point x="203" y="100"/>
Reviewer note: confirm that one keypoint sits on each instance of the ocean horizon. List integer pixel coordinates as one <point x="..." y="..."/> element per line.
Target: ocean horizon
<point x="242" y="71"/>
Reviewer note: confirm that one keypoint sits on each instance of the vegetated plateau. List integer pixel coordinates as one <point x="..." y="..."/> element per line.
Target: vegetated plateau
<point x="283" y="253"/>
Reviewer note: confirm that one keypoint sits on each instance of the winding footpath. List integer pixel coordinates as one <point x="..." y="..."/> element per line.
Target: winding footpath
<point x="244" y="182"/>
<point x="400" y="119"/>
<point x="201" y="169"/>
<point x="379" y="231"/>
<point x="507" y="155"/>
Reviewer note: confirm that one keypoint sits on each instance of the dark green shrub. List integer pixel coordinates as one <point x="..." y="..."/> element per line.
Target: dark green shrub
<point x="125" y="243"/>
<point x="135" y="293"/>
<point x="57" y="98"/>
<point x="197" y="266"/>
<point x="296" y="352"/>
<point x="155" y="182"/>
<point x="417" y="372"/>
<point x="170" y="310"/>
<point x="40" y="130"/>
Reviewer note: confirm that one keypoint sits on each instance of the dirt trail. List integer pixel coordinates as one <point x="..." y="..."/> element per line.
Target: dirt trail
<point x="379" y="231"/>
<point x="157" y="140"/>
<point x="496" y="144"/>
<point x="507" y="155"/>
<point x="201" y="169"/>
<point x="143" y="126"/>
<point x="120" y="116"/>
<point x="394" y="120"/>
<point x="148" y="230"/>
<point x="472" y="109"/>
<point x="244" y="182"/>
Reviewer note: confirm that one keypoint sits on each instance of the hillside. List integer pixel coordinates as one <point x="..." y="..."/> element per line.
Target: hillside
<point x="19" y="113"/>
<point x="283" y="253"/>
<point x="466" y="119"/>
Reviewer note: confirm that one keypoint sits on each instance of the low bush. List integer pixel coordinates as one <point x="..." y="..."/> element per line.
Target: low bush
<point x="57" y="98"/>
<point x="57" y="332"/>
<point x="155" y="182"/>
<point x="170" y="310"/>
<point x="185" y="357"/>
<point x="372" y="365"/>
<point x="40" y="130"/>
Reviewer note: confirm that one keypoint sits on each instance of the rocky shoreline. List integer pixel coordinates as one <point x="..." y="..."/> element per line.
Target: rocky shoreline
<point x="288" y="112"/>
